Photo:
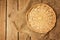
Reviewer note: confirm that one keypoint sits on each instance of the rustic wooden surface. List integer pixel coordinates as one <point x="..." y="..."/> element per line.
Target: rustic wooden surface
<point x="10" y="32"/>
<point x="2" y="19"/>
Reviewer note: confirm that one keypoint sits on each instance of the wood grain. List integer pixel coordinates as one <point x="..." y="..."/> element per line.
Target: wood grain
<point x="2" y="19"/>
<point x="11" y="30"/>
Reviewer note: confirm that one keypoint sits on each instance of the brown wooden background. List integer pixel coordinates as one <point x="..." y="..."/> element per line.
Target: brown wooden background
<point x="11" y="6"/>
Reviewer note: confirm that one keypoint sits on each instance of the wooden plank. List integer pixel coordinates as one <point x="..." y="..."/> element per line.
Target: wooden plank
<point x="11" y="10"/>
<point x="24" y="5"/>
<point x="2" y="19"/>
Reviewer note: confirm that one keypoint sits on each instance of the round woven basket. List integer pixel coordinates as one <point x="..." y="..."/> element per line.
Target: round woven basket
<point x="41" y="18"/>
